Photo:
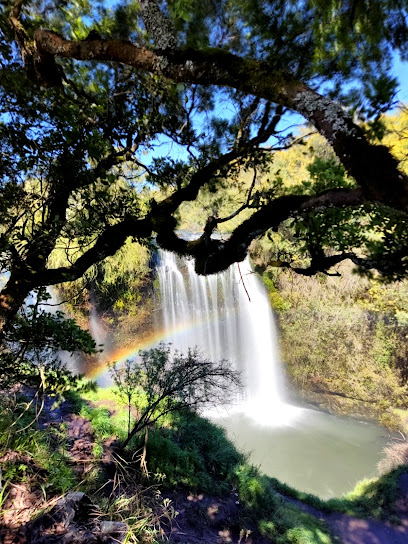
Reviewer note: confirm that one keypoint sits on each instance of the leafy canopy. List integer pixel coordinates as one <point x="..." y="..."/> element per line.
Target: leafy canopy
<point x="94" y="152"/>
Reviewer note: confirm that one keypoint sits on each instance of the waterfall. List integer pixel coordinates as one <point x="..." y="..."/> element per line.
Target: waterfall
<point x="227" y="316"/>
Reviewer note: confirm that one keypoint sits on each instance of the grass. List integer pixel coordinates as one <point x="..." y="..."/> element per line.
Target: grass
<point x="277" y="519"/>
<point x="187" y="449"/>
<point x="40" y="454"/>
<point x="371" y="498"/>
<point x="194" y="453"/>
<point x="186" y="453"/>
<point x="143" y="510"/>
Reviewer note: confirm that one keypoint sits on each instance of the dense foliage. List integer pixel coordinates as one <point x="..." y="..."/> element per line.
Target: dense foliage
<point x="34" y="342"/>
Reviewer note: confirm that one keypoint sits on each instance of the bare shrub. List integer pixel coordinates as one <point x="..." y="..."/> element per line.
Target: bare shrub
<point x="173" y="382"/>
<point x="395" y="455"/>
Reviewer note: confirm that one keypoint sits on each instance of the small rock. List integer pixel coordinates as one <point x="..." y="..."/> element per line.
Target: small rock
<point x="113" y="527"/>
<point x="113" y="531"/>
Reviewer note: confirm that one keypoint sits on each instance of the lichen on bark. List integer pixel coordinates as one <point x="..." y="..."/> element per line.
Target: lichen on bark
<point x="158" y="25"/>
<point x="336" y="118"/>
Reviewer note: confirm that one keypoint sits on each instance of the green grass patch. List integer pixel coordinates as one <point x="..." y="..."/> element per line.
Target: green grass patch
<point x="40" y="455"/>
<point x="277" y="519"/>
<point x="371" y="498"/>
<point x="195" y="453"/>
<point x="103" y="423"/>
<point x="106" y="412"/>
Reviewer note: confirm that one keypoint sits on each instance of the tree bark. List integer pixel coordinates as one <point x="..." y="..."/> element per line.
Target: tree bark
<point x="12" y="297"/>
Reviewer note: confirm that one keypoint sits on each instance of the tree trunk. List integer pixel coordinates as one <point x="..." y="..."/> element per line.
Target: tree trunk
<point x="12" y="297"/>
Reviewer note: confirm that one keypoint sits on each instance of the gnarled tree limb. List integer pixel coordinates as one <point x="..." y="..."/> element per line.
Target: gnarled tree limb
<point x="373" y="167"/>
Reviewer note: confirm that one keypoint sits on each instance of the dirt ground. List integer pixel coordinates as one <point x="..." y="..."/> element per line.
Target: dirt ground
<point x="352" y="530"/>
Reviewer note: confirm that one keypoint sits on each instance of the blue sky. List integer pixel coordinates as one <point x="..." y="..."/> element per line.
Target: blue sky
<point x="400" y="69"/>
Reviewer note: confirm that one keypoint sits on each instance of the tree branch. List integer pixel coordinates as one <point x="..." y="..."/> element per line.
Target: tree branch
<point x="40" y="66"/>
<point x="244" y="206"/>
<point x="107" y="244"/>
<point x="213" y="256"/>
<point x="373" y="167"/>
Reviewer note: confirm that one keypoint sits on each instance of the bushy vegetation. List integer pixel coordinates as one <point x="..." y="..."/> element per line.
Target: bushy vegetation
<point x="37" y="457"/>
<point x="195" y="453"/>
<point x="370" y="498"/>
<point x="277" y="519"/>
<point x="171" y="382"/>
<point x="116" y="285"/>
<point x="29" y="355"/>
<point x="344" y="341"/>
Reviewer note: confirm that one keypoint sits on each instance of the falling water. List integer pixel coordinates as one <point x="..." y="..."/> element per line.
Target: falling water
<point x="227" y="316"/>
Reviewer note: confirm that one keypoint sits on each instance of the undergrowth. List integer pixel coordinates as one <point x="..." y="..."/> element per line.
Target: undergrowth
<point x="343" y="340"/>
<point x="277" y="519"/>
<point x="185" y="453"/>
<point x="371" y="498"/>
<point x="188" y="451"/>
<point x="30" y="454"/>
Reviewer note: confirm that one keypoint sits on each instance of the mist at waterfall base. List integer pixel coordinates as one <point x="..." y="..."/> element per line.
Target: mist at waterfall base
<point x="228" y="316"/>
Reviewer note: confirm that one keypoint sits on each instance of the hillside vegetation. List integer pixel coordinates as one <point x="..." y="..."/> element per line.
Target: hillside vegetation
<point x="344" y="341"/>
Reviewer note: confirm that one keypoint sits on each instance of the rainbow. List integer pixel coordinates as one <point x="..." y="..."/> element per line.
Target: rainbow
<point x="119" y="355"/>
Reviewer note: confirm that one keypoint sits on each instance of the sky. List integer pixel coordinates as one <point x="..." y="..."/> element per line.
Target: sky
<point x="400" y="69"/>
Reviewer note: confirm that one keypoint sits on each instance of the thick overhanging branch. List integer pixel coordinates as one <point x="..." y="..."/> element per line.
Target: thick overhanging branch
<point x="213" y="256"/>
<point x="391" y="265"/>
<point x="159" y="220"/>
<point x="107" y="244"/>
<point x="210" y="255"/>
<point x="40" y="66"/>
<point x="373" y="167"/>
<point x="324" y="263"/>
